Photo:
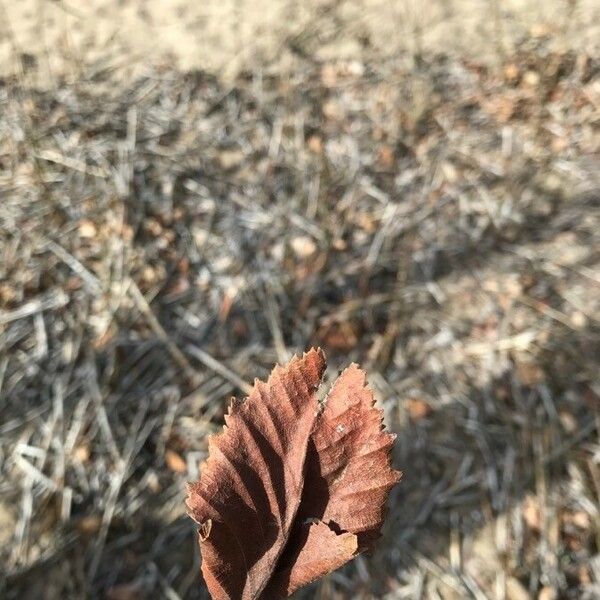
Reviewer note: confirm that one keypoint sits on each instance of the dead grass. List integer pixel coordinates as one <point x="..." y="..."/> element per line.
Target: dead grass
<point x="166" y="240"/>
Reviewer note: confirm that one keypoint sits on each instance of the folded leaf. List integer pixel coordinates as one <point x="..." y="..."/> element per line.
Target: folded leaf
<point x="291" y="490"/>
<point x="348" y="475"/>
<point x="316" y="550"/>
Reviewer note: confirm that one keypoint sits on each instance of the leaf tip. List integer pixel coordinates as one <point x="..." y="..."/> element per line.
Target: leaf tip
<point x="315" y="360"/>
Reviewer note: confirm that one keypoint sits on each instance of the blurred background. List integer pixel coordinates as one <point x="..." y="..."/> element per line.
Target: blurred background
<point x="191" y="192"/>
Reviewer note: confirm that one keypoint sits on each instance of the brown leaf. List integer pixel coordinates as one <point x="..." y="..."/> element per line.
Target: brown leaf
<point x="386" y="156"/>
<point x="347" y="443"/>
<point x="339" y="336"/>
<point x="314" y="550"/>
<point x="175" y="462"/>
<point x="251" y="484"/>
<point x="532" y="513"/>
<point x="315" y="144"/>
<point x="125" y="591"/>
<point x="290" y="491"/>
<point x="418" y="409"/>
<point x="89" y="525"/>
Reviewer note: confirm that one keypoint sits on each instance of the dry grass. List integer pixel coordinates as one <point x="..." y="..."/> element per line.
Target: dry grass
<point x="229" y="36"/>
<point x="166" y="240"/>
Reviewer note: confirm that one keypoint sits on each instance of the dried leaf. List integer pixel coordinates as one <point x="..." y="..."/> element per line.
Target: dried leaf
<point x="89" y="525"/>
<point x="347" y="482"/>
<point x="531" y="513"/>
<point x="125" y="591"/>
<point x="418" y="409"/>
<point x="292" y="490"/>
<point x="175" y="462"/>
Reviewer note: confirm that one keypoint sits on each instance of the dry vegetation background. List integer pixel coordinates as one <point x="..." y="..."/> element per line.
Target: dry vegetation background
<point x="190" y="192"/>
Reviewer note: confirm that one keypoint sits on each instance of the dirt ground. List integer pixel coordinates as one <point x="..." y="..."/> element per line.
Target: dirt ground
<point x="227" y="36"/>
<point x="179" y="211"/>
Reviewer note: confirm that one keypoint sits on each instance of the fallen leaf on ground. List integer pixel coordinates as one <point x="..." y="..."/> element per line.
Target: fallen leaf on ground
<point x="89" y="525"/>
<point x="418" y="409"/>
<point x="531" y="513"/>
<point x="175" y="462"/>
<point x="292" y="489"/>
<point x="125" y="591"/>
